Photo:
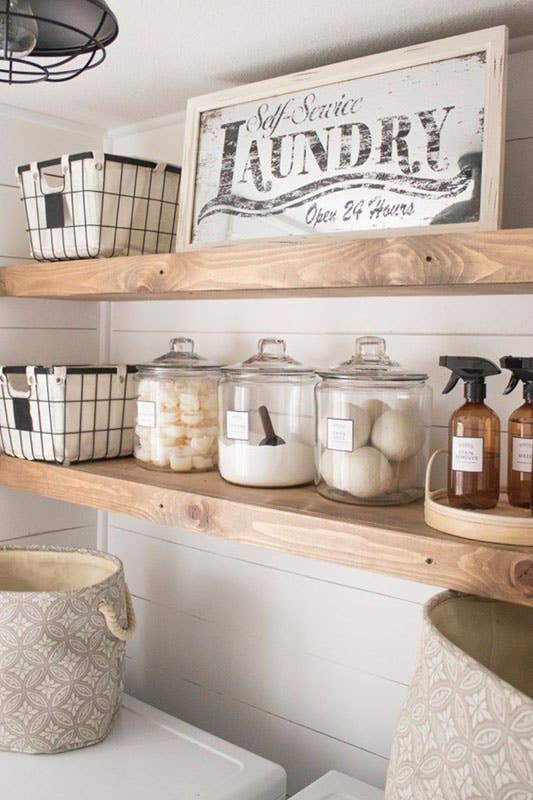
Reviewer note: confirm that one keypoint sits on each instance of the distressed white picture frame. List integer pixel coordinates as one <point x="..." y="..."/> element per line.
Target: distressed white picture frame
<point x="492" y="42"/>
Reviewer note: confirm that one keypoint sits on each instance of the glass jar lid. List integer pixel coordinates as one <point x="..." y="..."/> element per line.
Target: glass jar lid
<point x="371" y="363"/>
<point x="180" y="358"/>
<point x="271" y="359"/>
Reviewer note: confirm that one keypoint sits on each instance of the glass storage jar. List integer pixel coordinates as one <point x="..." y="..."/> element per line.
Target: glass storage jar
<point x="373" y="425"/>
<point x="267" y="420"/>
<point x="176" y="428"/>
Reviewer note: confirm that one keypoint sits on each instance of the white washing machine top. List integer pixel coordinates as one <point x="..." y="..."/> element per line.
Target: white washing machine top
<point x="337" y="786"/>
<point x="148" y="755"/>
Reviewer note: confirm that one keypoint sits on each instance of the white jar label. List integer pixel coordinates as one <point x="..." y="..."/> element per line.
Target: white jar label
<point x="237" y="425"/>
<point x="467" y="453"/>
<point x="522" y="452"/>
<point x="340" y="434"/>
<point x="146" y="416"/>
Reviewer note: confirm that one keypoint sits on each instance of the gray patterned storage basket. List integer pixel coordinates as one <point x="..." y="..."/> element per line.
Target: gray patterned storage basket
<point x="466" y="731"/>
<point x="65" y="615"/>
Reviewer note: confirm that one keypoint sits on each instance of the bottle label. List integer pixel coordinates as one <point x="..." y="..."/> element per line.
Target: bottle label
<point x="146" y="416"/>
<point x="522" y="452"/>
<point x="467" y="453"/>
<point x="340" y="434"/>
<point x="238" y="425"/>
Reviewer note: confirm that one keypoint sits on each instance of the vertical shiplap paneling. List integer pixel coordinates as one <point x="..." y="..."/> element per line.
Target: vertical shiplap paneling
<point x="254" y="645"/>
<point x="40" y="331"/>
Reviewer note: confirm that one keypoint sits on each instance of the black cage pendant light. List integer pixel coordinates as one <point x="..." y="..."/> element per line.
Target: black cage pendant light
<point x="53" y="40"/>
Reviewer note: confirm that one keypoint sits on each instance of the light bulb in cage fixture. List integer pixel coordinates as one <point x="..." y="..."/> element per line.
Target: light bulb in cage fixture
<point x="18" y="29"/>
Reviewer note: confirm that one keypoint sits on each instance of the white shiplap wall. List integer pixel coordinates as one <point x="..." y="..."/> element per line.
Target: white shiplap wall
<point x="306" y="663"/>
<point x="37" y="331"/>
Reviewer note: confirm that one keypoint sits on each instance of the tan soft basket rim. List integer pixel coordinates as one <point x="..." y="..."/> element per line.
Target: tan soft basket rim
<point x="82" y="551"/>
<point x="441" y="599"/>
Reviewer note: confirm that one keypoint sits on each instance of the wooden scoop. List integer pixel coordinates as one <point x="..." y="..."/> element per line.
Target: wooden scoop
<point x="271" y="438"/>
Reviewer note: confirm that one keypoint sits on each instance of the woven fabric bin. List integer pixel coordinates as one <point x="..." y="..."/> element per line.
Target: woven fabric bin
<point x="466" y="731"/>
<point x="65" y="616"/>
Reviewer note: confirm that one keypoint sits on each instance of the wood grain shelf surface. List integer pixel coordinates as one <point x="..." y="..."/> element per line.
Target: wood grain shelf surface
<point x="390" y="540"/>
<point x="482" y="262"/>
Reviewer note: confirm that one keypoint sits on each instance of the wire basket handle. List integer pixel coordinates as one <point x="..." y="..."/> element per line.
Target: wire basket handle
<point x="40" y="178"/>
<point x="23" y="393"/>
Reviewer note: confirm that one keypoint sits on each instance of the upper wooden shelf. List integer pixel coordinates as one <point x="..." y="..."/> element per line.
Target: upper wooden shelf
<point x="499" y="261"/>
<point x="391" y="540"/>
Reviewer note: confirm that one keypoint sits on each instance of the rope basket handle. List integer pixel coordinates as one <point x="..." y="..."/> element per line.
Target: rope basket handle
<point x="113" y="623"/>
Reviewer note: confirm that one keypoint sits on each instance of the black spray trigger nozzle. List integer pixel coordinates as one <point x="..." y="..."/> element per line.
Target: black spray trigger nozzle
<point x="521" y="368"/>
<point x="514" y="380"/>
<point x="452" y="383"/>
<point x="473" y="370"/>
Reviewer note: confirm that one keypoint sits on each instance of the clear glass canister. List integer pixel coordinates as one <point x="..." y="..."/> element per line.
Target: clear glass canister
<point x="373" y="424"/>
<point x="176" y="428"/>
<point x="267" y="420"/>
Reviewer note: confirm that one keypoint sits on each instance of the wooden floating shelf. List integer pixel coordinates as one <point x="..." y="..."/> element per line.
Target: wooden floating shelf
<point x="482" y="262"/>
<point x="390" y="540"/>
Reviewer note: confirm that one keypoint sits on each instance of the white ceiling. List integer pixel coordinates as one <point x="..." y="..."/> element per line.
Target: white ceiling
<point x="169" y="50"/>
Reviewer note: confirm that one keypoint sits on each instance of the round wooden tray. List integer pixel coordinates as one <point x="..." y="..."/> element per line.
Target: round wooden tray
<point x="504" y="524"/>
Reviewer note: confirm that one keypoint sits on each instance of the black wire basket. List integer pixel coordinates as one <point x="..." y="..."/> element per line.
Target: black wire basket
<point x="67" y="414"/>
<point x="91" y="205"/>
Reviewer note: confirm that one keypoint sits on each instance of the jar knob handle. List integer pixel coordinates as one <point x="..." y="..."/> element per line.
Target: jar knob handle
<point x="272" y="346"/>
<point x="371" y="348"/>
<point x="182" y="344"/>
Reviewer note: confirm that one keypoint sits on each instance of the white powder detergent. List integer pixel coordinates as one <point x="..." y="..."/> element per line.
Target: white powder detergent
<point x="289" y="464"/>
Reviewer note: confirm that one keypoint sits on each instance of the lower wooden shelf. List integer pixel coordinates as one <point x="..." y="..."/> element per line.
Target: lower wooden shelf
<point x="391" y="540"/>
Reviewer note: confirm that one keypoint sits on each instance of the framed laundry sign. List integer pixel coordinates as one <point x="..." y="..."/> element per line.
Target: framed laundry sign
<point x="394" y="142"/>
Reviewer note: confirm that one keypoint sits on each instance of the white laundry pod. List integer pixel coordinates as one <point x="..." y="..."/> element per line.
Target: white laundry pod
<point x="397" y="435"/>
<point x="173" y="432"/>
<point x="207" y="430"/>
<point x="167" y="396"/>
<point x="201" y="445"/>
<point x="164" y="419"/>
<point x="189" y="401"/>
<point x="143" y="454"/>
<point x="364" y="473"/>
<point x="192" y="417"/>
<point x="161" y="459"/>
<point x="181" y="451"/>
<point x="181" y="463"/>
<point x="162" y="452"/>
<point x="203" y="462"/>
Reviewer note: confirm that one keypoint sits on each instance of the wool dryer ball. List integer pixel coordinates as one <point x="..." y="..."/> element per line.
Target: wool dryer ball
<point x="399" y="436"/>
<point x="363" y="473"/>
<point x="375" y="408"/>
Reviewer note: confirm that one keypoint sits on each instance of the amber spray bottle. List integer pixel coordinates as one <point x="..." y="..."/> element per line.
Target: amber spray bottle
<point x="520" y="443"/>
<point x="473" y="437"/>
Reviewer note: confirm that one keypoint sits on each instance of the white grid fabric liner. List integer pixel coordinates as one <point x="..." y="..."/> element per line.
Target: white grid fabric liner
<point x="111" y="206"/>
<point x="68" y="416"/>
